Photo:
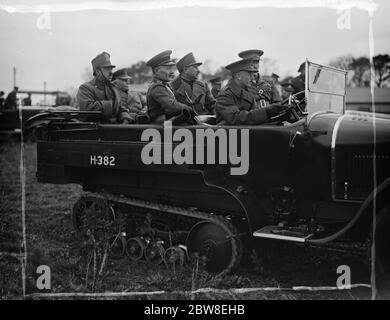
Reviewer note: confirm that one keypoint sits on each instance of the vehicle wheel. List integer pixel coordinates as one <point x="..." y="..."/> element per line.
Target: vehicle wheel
<point x="93" y="216"/>
<point x="382" y="253"/>
<point x="117" y="246"/>
<point x="135" y="248"/>
<point x="217" y="245"/>
<point x="154" y="253"/>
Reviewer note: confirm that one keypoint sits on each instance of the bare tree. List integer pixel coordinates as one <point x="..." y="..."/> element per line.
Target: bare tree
<point x="382" y="69"/>
<point x="342" y="62"/>
<point x="361" y="68"/>
<point x="140" y="72"/>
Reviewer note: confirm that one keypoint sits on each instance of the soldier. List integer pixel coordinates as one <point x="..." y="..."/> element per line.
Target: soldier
<point x="216" y="83"/>
<point x="99" y="94"/>
<point x="160" y="99"/>
<point x="27" y="101"/>
<point x="275" y="80"/>
<point x="235" y="104"/>
<point x="1" y="99"/>
<point x="132" y="109"/>
<point x="298" y="83"/>
<point x="287" y="89"/>
<point x="264" y="91"/>
<point x="11" y="102"/>
<point x="189" y="90"/>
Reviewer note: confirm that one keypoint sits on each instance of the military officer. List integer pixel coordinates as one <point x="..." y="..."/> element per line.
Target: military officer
<point x="11" y="102"/>
<point x="275" y="80"/>
<point x="133" y="106"/>
<point x="216" y="83"/>
<point x="287" y="89"/>
<point x="264" y="91"/>
<point x="160" y="99"/>
<point x="298" y="83"/>
<point x="189" y="90"/>
<point x="235" y="104"/>
<point x="99" y="94"/>
<point x="2" y="99"/>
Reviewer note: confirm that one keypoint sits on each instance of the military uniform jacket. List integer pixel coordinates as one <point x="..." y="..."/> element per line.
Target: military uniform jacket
<point x="237" y="106"/>
<point x="135" y="101"/>
<point x="265" y="93"/>
<point x="95" y="95"/>
<point x="198" y="92"/>
<point x="161" y="102"/>
<point x="130" y="105"/>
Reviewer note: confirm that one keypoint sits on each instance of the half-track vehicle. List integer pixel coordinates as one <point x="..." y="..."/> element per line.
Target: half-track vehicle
<point x="320" y="177"/>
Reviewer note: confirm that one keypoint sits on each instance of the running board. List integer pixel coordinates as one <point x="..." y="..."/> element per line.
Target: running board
<point x="275" y="232"/>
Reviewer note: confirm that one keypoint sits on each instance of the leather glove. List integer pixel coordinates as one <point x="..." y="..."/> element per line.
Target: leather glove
<point x="142" y="119"/>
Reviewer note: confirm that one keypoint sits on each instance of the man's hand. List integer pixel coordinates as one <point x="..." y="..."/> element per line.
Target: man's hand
<point x="274" y="109"/>
<point x="187" y="108"/>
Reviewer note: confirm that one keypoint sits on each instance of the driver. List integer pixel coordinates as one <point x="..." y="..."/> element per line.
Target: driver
<point x="236" y="105"/>
<point x="298" y="83"/>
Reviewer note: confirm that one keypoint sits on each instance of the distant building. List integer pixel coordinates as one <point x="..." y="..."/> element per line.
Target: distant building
<point x="360" y="99"/>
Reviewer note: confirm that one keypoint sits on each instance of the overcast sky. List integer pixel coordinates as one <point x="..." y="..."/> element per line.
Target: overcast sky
<point x="60" y="54"/>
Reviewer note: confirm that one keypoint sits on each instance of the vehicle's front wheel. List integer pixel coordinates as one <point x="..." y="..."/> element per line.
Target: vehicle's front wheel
<point x="382" y="253"/>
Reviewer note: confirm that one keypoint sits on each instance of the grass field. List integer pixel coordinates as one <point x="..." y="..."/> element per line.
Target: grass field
<point x="51" y="241"/>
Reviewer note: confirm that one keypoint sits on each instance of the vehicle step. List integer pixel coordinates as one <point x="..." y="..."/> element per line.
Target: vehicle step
<point x="275" y="232"/>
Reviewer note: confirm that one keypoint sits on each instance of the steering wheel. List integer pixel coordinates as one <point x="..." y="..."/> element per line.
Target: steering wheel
<point x="293" y="112"/>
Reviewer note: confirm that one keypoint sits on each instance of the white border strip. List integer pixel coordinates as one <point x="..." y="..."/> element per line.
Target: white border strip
<point x="368" y="5"/>
<point x="198" y="291"/>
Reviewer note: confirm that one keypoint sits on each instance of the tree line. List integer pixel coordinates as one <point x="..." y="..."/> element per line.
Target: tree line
<point x="359" y="69"/>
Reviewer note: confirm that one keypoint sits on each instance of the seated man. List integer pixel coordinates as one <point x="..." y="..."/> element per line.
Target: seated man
<point x="160" y="99"/>
<point x="236" y="105"/>
<point x="189" y="90"/>
<point x="298" y="83"/>
<point x="131" y="109"/>
<point x="265" y="92"/>
<point x="99" y="94"/>
<point x="216" y="84"/>
<point x="287" y="89"/>
<point x="11" y="102"/>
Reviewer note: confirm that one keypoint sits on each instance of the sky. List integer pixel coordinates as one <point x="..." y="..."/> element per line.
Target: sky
<point x="58" y="47"/>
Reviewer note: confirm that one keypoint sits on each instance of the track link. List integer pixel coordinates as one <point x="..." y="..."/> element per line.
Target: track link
<point x="184" y="214"/>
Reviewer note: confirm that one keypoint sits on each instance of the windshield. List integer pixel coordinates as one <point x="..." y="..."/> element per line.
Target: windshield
<point x="325" y="89"/>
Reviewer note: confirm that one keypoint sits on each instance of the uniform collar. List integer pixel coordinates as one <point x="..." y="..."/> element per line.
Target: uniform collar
<point x="190" y="82"/>
<point x="239" y="92"/>
<point x="235" y="87"/>
<point x="158" y="81"/>
<point x="98" y="83"/>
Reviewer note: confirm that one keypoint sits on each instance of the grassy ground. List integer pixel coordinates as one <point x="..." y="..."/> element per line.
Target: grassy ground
<point x="51" y="241"/>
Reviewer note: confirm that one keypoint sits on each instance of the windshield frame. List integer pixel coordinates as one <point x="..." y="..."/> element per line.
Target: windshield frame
<point x="309" y="91"/>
